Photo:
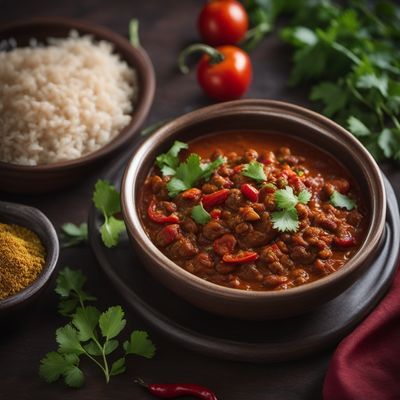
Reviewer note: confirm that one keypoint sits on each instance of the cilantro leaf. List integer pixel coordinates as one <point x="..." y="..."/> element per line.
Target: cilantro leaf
<point x="285" y="198"/>
<point x="286" y="220"/>
<point x="357" y="128"/>
<point x="106" y="198"/>
<point x="118" y="367"/>
<point x="342" y="201"/>
<point x="73" y="235"/>
<point x="66" y="307"/>
<point x="112" y="322"/>
<point x="53" y="366"/>
<point x="140" y="344"/>
<point x="332" y="95"/>
<point x="68" y="341"/>
<point x="254" y="170"/>
<point x="111" y="231"/>
<point x="73" y="377"/>
<point x="169" y="161"/>
<point x="85" y="321"/>
<point x="190" y="172"/>
<point x="304" y="196"/>
<point x="200" y="215"/>
<point x="387" y="142"/>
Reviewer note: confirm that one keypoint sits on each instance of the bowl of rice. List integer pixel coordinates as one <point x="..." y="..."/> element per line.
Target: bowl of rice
<point x="71" y="94"/>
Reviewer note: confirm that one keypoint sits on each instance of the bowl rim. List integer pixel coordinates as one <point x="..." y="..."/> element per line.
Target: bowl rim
<point x="32" y="214"/>
<point x="164" y="133"/>
<point x="146" y="87"/>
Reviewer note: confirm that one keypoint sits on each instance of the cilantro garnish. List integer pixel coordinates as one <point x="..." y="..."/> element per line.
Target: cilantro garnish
<point x="286" y="219"/>
<point x="169" y="161"/>
<point x="342" y="201"/>
<point x="106" y="199"/>
<point x="72" y="235"/>
<point x="200" y="215"/>
<point x="90" y="333"/>
<point x="255" y="170"/>
<point x="190" y="172"/>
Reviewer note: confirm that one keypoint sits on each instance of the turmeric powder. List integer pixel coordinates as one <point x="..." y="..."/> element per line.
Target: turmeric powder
<point x="22" y="257"/>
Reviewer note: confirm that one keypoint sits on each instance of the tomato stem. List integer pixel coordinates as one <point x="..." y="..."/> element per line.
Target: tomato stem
<point x="215" y="56"/>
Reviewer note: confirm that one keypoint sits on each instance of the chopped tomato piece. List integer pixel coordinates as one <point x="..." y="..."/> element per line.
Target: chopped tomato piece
<point x="250" y="192"/>
<point x="167" y="235"/>
<point x="346" y="241"/>
<point x="158" y="217"/>
<point x="216" y="213"/>
<point x="192" y="194"/>
<point x="240" y="258"/>
<point x="225" y="244"/>
<point x="238" y="168"/>
<point x="213" y="199"/>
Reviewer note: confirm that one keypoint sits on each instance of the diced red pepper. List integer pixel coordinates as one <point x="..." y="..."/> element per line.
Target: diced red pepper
<point x="158" y="217"/>
<point x="238" y="168"/>
<point x="228" y="183"/>
<point x="191" y="194"/>
<point x="346" y="241"/>
<point x="250" y="192"/>
<point x="240" y="258"/>
<point x="213" y="199"/>
<point x="216" y="213"/>
<point x="167" y="235"/>
<point x="225" y="244"/>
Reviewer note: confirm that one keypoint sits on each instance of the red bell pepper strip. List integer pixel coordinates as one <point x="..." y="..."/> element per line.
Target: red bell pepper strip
<point x="250" y="192"/>
<point x="346" y="241"/>
<point x="174" y="390"/>
<point x="240" y="258"/>
<point x="158" y="217"/>
<point x="213" y="199"/>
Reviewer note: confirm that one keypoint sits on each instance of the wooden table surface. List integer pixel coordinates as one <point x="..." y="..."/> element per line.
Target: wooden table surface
<point x="165" y="28"/>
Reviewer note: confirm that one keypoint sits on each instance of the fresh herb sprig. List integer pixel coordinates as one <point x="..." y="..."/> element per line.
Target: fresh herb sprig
<point x="287" y="219"/>
<point x="73" y="235"/>
<point x="342" y="201"/>
<point x="106" y="200"/>
<point x="90" y="333"/>
<point x="255" y="170"/>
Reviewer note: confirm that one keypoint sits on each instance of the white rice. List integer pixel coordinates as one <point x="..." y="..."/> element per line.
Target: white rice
<point x="62" y="101"/>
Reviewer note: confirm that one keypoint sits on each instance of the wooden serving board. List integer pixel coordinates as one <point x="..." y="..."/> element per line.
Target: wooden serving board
<point x="232" y="339"/>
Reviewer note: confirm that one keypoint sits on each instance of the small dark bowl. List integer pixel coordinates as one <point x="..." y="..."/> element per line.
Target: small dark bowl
<point x="36" y="221"/>
<point x="49" y="177"/>
<point x="262" y="116"/>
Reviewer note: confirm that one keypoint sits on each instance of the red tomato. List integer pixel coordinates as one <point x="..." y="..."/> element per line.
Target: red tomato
<point x="228" y="79"/>
<point x="213" y="199"/>
<point x="222" y="22"/>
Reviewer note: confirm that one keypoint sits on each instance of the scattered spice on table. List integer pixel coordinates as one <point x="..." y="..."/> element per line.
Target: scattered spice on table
<point x="22" y="257"/>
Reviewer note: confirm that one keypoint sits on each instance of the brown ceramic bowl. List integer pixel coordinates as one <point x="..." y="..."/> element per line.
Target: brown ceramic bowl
<point x="261" y="116"/>
<point x="36" y="221"/>
<point x="44" y="178"/>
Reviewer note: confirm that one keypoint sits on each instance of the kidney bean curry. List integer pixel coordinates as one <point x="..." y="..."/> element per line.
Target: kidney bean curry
<point x="253" y="211"/>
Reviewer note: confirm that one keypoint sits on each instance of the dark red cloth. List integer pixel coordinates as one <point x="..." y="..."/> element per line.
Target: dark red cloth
<point x="366" y="364"/>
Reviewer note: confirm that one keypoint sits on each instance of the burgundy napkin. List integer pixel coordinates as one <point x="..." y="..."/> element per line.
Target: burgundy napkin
<point x="366" y="364"/>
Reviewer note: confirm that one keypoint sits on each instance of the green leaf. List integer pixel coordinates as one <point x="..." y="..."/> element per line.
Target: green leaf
<point x="68" y="341"/>
<point x="357" y="128"/>
<point x="118" y="367"/>
<point x="110" y="346"/>
<point x="255" y="170"/>
<point x="372" y="81"/>
<point x="93" y="349"/>
<point x="285" y="220"/>
<point x="200" y="215"/>
<point x="106" y="198"/>
<point x="111" y="231"/>
<point x="69" y="280"/>
<point x="140" y="344"/>
<point x="169" y="161"/>
<point x="52" y="366"/>
<point x="332" y="95"/>
<point x="66" y="307"/>
<point x="112" y="322"/>
<point x="304" y="196"/>
<point x="74" y="377"/>
<point x="73" y="230"/>
<point x="85" y="321"/>
<point x="387" y="142"/>
<point x="134" y="32"/>
<point x="299" y="36"/>
<point x="342" y="201"/>
<point x="285" y="198"/>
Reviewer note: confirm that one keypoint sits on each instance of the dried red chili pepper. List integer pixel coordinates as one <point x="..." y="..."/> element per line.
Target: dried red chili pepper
<point x="174" y="390"/>
<point x="250" y="192"/>
<point x="213" y="199"/>
<point x="158" y="217"/>
<point x="240" y="258"/>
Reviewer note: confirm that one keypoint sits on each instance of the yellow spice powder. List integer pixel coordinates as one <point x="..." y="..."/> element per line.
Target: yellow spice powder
<point x="22" y="257"/>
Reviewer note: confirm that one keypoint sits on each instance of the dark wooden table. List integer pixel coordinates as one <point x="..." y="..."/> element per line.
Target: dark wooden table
<point x="165" y="28"/>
